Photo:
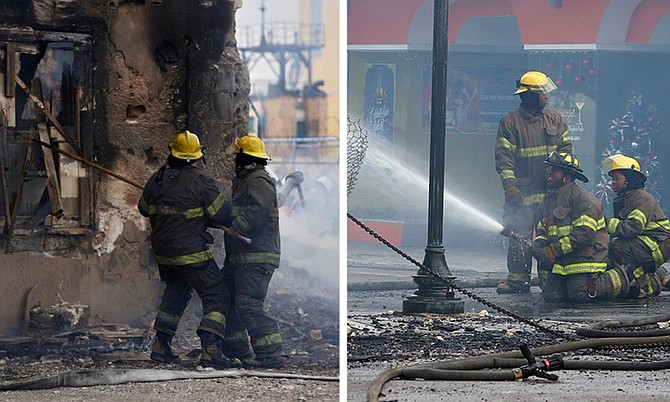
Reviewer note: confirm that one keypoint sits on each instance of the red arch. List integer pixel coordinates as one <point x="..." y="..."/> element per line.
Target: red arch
<point x="644" y="20"/>
<point x="380" y="21"/>
<point x="460" y="11"/>
<point x="573" y="22"/>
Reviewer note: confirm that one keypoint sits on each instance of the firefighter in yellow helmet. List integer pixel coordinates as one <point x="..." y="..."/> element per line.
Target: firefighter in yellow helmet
<point x="525" y="138"/>
<point x="180" y="202"/>
<point x="571" y="240"/>
<point x="639" y="230"/>
<point x="249" y="267"/>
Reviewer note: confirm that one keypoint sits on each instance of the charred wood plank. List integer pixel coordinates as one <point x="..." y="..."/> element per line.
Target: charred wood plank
<point x="40" y="105"/>
<point x="17" y="196"/>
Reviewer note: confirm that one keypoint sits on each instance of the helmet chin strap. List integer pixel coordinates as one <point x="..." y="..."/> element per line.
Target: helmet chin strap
<point x="250" y="166"/>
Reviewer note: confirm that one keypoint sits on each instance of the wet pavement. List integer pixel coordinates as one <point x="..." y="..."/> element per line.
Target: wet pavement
<point x="382" y="280"/>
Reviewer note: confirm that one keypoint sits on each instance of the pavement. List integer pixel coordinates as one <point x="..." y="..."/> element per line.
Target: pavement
<point x="378" y="281"/>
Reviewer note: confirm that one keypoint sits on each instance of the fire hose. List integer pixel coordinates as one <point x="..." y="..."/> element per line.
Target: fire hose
<point x="122" y="178"/>
<point x="469" y="369"/>
<point x="87" y="378"/>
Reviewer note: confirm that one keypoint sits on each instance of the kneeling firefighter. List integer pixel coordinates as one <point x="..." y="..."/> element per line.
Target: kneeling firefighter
<point x="181" y="202"/>
<point x="639" y="230"/>
<point x="572" y="242"/>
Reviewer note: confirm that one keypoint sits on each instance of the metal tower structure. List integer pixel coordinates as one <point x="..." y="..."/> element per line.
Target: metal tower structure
<point x="279" y="43"/>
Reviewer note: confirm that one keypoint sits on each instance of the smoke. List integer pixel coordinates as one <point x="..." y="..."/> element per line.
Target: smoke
<point x="310" y="232"/>
<point x="392" y="186"/>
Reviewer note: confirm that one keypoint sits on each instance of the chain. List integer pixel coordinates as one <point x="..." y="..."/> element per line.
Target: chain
<point x="464" y="291"/>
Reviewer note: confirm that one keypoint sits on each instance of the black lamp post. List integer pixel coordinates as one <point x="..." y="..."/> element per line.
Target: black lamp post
<point x="434" y="295"/>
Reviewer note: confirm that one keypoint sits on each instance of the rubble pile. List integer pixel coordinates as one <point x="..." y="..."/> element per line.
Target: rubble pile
<point x="307" y="315"/>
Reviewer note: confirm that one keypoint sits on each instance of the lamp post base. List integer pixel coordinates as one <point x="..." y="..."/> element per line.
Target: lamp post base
<point x="434" y="295"/>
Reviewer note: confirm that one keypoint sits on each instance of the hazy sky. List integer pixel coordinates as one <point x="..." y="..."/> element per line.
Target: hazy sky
<point x="275" y="11"/>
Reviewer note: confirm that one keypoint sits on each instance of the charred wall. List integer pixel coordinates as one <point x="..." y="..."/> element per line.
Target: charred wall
<point x="147" y="69"/>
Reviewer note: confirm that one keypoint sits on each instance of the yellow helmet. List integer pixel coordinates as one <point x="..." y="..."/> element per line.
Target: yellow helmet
<point x="252" y="145"/>
<point x="622" y="163"/>
<point x="534" y="81"/>
<point x="186" y="145"/>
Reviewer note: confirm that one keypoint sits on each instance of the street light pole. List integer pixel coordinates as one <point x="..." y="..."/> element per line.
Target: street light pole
<point x="433" y="295"/>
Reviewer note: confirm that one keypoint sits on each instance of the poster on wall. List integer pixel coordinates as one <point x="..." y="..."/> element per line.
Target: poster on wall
<point x="477" y="98"/>
<point x="379" y="99"/>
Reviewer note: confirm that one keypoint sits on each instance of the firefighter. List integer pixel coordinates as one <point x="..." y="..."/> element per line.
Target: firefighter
<point x="180" y="202"/>
<point x="249" y="267"/>
<point x="639" y="231"/>
<point x="571" y="239"/>
<point x="524" y="140"/>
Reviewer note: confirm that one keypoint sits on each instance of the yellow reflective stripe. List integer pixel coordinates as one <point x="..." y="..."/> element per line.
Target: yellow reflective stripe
<point x="216" y="317"/>
<point x="612" y="225"/>
<point x="564" y="137"/>
<point x="254" y="258"/>
<point x="559" y="231"/>
<point x="533" y="199"/>
<point x="533" y="152"/>
<point x="566" y="245"/>
<point x="167" y="210"/>
<point x="586" y="221"/>
<point x="194" y="213"/>
<point x="639" y="216"/>
<point x="267" y="340"/>
<point x="504" y="143"/>
<point x="518" y="277"/>
<point x="616" y="281"/>
<point x="216" y="205"/>
<point x="170" y="319"/>
<point x="187" y="259"/>
<point x="656" y="253"/>
<point x="650" y="289"/>
<point x="600" y="224"/>
<point x="579" y="268"/>
<point x="506" y="174"/>
<point x="638" y="272"/>
<point x="662" y="224"/>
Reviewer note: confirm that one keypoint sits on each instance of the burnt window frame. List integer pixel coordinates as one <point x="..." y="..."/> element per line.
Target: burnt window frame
<point x="68" y="129"/>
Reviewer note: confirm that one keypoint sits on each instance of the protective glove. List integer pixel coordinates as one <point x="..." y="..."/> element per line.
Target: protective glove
<point x="548" y="254"/>
<point x="513" y="195"/>
<point x="536" y="249"/>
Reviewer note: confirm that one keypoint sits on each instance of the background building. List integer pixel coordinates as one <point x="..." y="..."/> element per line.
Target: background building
<point x="607" y="57"/>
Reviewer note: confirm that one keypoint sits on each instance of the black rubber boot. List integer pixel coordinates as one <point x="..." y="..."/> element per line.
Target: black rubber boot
<point x="212" y="355"/>
<point x="161" y="350"/>
<point x="264" y="362"/>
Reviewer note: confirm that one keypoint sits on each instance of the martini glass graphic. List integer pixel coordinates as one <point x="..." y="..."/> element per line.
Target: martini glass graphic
<point x="579" y="126"/>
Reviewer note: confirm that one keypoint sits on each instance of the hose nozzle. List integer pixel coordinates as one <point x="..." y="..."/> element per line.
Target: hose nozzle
<point x="507" y="232"/>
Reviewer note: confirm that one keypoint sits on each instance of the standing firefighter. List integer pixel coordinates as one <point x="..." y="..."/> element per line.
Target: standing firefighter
<point x="639" y="230"/>
<point x="181" y="202"/>
<point x="249" y="267"/>
<point x="525" y="138"/>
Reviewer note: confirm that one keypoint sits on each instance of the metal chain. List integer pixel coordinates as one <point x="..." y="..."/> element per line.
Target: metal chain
<point x="464" y="291"/>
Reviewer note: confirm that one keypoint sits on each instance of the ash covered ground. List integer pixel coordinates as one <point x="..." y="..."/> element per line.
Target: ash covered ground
<point x="380" y="341"/>
<point x="308" y="318"/>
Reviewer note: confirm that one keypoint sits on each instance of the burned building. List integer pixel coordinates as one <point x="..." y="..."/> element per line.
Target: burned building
<point x="91" y="94"/>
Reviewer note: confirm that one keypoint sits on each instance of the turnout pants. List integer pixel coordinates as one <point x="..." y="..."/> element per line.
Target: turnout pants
<point x="521" y="219"/>
<point x="635" y="253"/>
<point x="207" y="280"/>
<point x="583" y="287"/>
<point x="247" y="319"/>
